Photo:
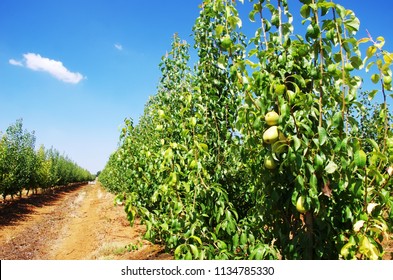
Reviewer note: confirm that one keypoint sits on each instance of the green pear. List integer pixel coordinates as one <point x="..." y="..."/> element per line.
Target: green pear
<point x="270" y="163"/>
<point x="271" y="118"/>
<point x="271" y="135"/>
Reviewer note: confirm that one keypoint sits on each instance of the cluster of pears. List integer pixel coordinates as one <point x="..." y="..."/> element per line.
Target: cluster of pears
<point x="272" y="136"/>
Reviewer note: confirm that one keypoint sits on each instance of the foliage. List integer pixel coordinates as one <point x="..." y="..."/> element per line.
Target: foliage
<point x="214" y="176"/>
<point x="21" y="167"/>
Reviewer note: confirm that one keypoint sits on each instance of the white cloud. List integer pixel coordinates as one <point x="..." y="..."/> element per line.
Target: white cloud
<point x="15" y="62"/>
<point x="119" y="47"/>
<point x="55" y="68"/>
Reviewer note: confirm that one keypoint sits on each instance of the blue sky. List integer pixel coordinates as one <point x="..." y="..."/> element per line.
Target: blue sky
<point x="73" y="70"/>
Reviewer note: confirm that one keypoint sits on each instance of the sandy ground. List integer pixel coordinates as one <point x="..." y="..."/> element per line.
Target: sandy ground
<point x="74" y="223"/>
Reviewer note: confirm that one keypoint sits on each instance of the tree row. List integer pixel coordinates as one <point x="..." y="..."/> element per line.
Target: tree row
<point x="22" y="167"/>
<point x="266" y="148"/>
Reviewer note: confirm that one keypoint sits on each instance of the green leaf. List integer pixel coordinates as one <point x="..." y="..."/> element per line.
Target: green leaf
<point x="368" y="249"/>
<point x="372" y="94"/>
<point x="193" y="121"/>
<point x="371" y="50"/>
<point x="363" y="40"/>
<point x="373" y="144"/>
<point x="337" y="57"/>
<point x="388" y="58"/>
<point x="352" y="24"/>
<point x="369" y="65"/>
<point x="168" y="154"/>
<point x="327" y="5"/>
<point x="194" y="250"/>
<point x="338" y="119"/>
<point x="251" y="15"/>
<point x="235" y="241"/>
<point x="243" y="238"/>
<point x="275" y="20"/>
<point x="379" y="156"/>
<point x="314" y="181"/>
<point x="221" y="245"/>
<point x="318" y="162"/>
<point x="294" y="197"/>
<point x="340" y="10"/>
<point x="296" y="142"/>
<point x="219" y="30"/>
<point x="360" y="158"/>
<point x="204" y="147"/>
<point x="347" y="249"/>
<point x="257" y="123"/>
<point x="178" y="251"/>
<point x="380" y="42"/>
<point x="322" y="135"/>
<point x="331" y="167"/>
<point x="188" y="255"/>
<point x="268" y="25"/>
<point x="356" y="62"/>
<point x="300" y="181"/>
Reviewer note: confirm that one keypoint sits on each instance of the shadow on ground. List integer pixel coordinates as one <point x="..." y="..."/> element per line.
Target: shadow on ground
<point x="12" y="212"/>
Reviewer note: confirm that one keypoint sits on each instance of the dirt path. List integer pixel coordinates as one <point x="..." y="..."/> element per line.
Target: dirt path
<point x="75" y="223"/>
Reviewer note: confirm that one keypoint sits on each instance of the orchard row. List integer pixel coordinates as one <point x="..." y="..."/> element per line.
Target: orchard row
<point x="267" y="148"/>
<point x="22" y="167"/>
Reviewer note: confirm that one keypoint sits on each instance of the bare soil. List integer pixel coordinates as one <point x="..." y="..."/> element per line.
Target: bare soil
<point x="73" y="223"/>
